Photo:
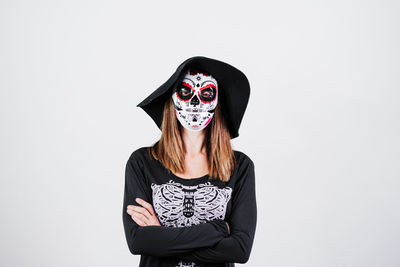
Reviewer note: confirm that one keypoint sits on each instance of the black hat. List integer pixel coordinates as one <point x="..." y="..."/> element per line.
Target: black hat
<point x="233" y="91"/>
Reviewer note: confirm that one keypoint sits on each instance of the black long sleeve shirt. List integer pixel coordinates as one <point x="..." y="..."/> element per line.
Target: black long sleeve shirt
<point x="192" y="214"/>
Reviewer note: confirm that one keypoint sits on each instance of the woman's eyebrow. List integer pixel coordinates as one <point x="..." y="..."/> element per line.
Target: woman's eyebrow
<point x="208" y="86"/>
<point x="208" y="81"/>
<point x="188" y="85"/>
<point x="191" y="81"/>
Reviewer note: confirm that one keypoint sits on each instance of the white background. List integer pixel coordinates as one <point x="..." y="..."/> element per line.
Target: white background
<point x="322" y="124"/>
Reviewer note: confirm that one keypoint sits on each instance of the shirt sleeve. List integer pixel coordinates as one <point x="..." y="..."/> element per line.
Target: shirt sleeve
<point x="162" y="241"/>
<point x="237" y="246"/>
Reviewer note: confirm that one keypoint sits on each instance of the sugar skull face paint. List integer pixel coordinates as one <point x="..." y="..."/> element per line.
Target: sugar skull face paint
<point x="195" y="99"/>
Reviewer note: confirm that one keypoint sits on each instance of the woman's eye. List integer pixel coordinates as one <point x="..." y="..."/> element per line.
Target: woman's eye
<point x="185" y="92"/>
<point x="207" y="94"/>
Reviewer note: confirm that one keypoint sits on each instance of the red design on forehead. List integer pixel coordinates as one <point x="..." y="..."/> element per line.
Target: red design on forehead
<point x="194" y="72"/>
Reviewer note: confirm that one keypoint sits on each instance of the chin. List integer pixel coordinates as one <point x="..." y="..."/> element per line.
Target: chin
<point x="196" y="129"/>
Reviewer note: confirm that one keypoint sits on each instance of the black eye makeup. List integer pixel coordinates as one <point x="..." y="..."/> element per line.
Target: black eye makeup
<point x="185" y="91"/>
<point x="208" y="93"/>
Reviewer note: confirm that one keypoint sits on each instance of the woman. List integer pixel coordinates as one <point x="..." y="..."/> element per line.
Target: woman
<point x="190" y="199"/>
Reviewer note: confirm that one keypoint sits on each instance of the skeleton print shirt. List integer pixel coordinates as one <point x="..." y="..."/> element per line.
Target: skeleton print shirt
<point x="192" y="213"/>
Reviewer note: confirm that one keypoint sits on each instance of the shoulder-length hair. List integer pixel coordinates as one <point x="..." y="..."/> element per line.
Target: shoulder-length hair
<point x="170" y="150"/>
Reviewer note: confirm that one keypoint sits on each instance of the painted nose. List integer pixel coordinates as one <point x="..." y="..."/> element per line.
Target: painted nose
<point x="195" y="101"/>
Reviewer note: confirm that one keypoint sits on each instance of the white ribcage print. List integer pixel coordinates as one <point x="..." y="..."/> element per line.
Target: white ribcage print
<point x="178" y="205"/>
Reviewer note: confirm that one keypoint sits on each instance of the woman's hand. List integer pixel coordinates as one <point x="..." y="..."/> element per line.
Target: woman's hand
<point x="143" y="216"/>
<point x="229" y="229"/>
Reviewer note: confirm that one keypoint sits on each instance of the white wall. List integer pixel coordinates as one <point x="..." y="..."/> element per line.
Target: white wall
<point x="322" y="125"/>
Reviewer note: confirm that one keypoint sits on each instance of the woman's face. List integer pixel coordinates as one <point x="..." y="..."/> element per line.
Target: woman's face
<point x="195" y="99"/>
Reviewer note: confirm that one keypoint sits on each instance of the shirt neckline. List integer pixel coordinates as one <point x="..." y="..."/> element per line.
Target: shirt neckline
<point x="176" y="177"/>
<point x="187" y="179"/>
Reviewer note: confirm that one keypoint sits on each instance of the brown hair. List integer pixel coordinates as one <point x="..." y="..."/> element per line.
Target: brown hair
<point x="169" y="150"/>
